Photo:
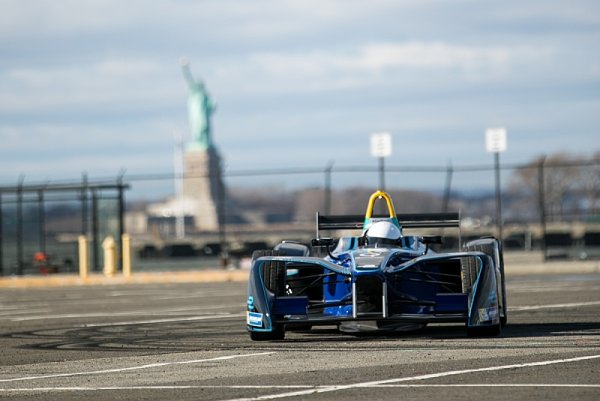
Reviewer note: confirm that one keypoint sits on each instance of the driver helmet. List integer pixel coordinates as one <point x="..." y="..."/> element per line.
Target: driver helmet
<point x="383" y="234"/>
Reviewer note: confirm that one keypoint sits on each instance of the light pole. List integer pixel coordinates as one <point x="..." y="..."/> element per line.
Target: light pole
<point x="328" y="188"/>
<point x="178" y="178"/>
<point x="495" y="142"/>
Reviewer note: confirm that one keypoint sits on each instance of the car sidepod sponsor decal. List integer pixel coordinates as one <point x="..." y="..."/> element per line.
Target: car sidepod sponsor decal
<point x="254" y="319"/>
<point x="487" y="314"/>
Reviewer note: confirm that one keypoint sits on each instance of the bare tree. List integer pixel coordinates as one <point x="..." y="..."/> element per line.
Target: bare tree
<point x="562" y="175"/>
<point x="591" y="183"/>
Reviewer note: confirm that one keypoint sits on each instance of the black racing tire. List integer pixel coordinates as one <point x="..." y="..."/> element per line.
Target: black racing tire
<point x="504" y="315"/>
<point x="469" y="274"/>
<point x="485" y="331"/>
<point x="273" y="271"/>
<point x="278" y="333"/>
<point x="264" y="252"/>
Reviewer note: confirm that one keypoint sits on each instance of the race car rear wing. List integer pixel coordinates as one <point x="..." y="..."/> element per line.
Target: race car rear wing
<point x="407" y="220"/>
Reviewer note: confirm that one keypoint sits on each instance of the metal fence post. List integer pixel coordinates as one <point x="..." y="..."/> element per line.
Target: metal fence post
<point x="542" y="206"/>
<point x="221" y="217"/>
<point x="499" y="221"/>
<point x="95" y="258"/>
<point x="121" y="213"/>
<point x="448" y="189"/>
<point x="328" y="188"/>
<point x="20" y="227"/>
<point x="1" y="240"/>
<point x="42" y="221"/>
<point x="84" y="205"/>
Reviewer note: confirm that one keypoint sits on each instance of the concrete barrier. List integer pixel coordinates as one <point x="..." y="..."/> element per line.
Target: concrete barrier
<point x="58" y="280"/>
<point x="83" y="256"/>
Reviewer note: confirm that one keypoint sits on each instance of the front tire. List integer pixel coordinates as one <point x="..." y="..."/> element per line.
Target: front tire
<point x="484" y="331"/>
<point x="278" y="333"/>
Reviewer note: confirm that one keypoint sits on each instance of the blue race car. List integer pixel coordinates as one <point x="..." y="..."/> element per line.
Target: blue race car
<point x="378" y="280"/>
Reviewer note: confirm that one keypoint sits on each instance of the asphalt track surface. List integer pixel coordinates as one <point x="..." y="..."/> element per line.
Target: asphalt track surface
<point x="187" y="341"/>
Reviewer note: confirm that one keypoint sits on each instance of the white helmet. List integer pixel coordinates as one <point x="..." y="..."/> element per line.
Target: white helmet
<point x="383" y="234"/>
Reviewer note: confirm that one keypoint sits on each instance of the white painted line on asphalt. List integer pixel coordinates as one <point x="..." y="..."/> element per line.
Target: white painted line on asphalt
<point x="108" y="314"/>
<point x="191" y="387"/>
<point x="140" y="367"/>
<point x="214" y="294"/>
<point x="413" y="378"/>
<point x="73" y="315"/>
<point x="491" y="385"/>
<point x="568" y="287"/>
<point x="11" y="308"/>
<point x="168" y="320"/>
<point x="554" y="306"/>
<point x="6" y="314"/>
<point x="49" y="389"/>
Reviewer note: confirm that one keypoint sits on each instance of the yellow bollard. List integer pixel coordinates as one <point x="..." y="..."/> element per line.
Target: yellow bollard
<point x="126" y="246"/>
<point x="83" y="256"/>
<point x="110" y="256"/>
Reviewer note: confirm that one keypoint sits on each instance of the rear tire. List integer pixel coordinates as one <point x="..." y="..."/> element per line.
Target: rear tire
<point x="273" y="271"/>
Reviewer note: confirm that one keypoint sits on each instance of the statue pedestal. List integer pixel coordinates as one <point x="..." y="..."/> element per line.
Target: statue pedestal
<point x="202" y="186"/>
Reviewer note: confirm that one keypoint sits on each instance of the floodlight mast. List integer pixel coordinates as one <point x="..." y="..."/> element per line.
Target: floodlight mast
<point x="178" y="181"/>
<point x="495" y="142"/>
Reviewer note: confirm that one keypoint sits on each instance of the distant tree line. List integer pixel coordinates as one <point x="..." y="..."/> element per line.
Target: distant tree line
<point x="567" y="185"/>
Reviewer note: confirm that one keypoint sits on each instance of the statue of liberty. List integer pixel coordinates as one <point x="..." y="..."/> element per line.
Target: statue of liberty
<point x="200" y="109"/>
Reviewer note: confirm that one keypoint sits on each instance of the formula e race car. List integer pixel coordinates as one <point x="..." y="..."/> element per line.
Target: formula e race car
<point x="379" y="280"/>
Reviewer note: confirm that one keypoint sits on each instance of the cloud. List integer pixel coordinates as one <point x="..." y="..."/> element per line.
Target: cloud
<point x="441" y="56"/>
<point x="380" y="63"/>
<point x="67" y="148"/>
<point x="104" y="84"/>
<point x="103" y="76"/>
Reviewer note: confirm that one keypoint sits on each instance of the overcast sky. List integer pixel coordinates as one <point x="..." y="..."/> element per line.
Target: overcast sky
<point x="96" y="85"/>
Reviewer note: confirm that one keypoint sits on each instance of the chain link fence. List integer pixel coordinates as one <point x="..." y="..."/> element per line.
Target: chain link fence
<point x="550" y="204"/>
<point x="40" y="224"/>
